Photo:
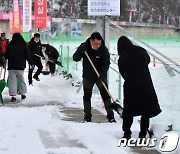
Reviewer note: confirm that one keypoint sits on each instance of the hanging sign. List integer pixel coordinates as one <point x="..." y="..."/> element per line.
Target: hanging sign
<point x="40" y="13"/>
<point x="27" y="15"/>
<point x="103" y="7"/>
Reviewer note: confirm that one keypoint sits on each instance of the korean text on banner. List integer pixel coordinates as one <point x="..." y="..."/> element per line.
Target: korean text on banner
<point x="40" y="11"/>
<point x="27" y="15"/>
<point x="103" y="7"/>
<point x="16" y="16"/>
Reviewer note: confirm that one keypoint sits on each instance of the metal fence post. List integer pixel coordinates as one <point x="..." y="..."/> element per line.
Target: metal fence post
<point x="106" y="27"/>
<point x="119" y="88"/>
<point x="68" y="59"/>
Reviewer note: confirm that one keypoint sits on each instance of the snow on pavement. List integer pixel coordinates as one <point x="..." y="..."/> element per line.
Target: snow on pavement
<point x="41" y="130"/>
<point x="37" y="125"/>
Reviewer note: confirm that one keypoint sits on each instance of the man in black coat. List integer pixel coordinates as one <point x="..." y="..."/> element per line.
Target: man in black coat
<point x="139" y="94"/>
<point x="35" y="49"/>
<point x="98" y="52"/>
<point x="52" y="54"/>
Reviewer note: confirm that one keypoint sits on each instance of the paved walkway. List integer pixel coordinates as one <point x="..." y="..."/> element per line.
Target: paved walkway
<point x="75" y="115"/>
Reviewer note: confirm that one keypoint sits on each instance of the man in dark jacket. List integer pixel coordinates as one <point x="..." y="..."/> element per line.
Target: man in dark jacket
<point x="139" y="94"/>
<point x="96" y="49"/>
<point x="52" y="54"/>
<point x="35" y="49"/>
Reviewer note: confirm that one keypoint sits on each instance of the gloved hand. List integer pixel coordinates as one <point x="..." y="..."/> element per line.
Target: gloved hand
<point x="31" y="67"/>
<point x="101" y="77"/>
<point x="82" y="48"/>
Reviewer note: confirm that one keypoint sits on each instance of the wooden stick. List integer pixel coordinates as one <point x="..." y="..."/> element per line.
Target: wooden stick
<point x="43" y="57"/>
<point x="104" y="85"/>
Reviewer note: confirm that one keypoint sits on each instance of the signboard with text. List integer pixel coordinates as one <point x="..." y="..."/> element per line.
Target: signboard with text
<point x="40" y="14"/>
<point x="27" y="15"/>
<point x="103" y="7"/>
<point x="16" y="16"/>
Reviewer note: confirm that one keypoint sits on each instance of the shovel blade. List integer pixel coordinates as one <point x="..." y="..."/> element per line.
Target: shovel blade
<point x="58" y="63"/>
<point x="118" y="108"/>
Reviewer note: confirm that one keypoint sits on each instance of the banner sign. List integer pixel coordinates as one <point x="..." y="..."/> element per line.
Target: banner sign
<point x="16" y="16"/>
<point x="27" y="15"/>
<point x="11" y="21"/>
<point x="40" y="12"/>
<point x="103" y="7"/>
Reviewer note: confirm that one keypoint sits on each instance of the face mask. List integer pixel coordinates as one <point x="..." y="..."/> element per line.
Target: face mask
<point x="93" y="48"/>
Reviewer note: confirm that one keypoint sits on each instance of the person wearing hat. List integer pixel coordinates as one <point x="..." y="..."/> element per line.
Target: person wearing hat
<point x="3" y="46"/>
<point x="35" y="49"/>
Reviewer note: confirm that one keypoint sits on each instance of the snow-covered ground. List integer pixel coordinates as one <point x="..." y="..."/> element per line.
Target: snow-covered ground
<point x="38" y="126"/>
<point x="167" y="87"/>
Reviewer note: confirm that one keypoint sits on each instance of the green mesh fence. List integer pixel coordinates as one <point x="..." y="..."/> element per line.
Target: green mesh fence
<point x="26" y="36"/>
<point x="66" y="44"/>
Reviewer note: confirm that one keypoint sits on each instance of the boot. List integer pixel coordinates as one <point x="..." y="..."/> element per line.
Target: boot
<point x="142" y="134"/>
<point x="23" y="96"/>
<point x="87" y="111"/>
<point x="111" y="118"/>
<point x="13" y="99"/>
<point x="36" y="78"/>
<point x="86" y="119"/>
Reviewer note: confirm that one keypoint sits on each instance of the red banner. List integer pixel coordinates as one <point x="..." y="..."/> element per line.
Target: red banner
<point x="40" y="12"/>
<point x="16" y="16"/>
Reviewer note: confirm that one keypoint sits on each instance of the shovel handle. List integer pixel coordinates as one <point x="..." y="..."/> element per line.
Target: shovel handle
<point x="43" y="57"/>
<point x="104" y="85"/>
<point x="97" y="73"/>
<point x="4" y="70"/>
<point x="107" y="91"/>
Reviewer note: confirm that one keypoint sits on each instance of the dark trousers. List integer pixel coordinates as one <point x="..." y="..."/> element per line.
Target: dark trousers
<point x="52" y="67"/>
<point x="88" y="87"/>
<point x="39" y="66"/>
<point x="144" y="125"/>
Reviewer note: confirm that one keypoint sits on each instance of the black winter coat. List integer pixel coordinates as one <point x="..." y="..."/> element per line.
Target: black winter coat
<point x="139" y="94"/>
<point x="100" y="58"/>
<point x="51" y="52"/>
<point x="17" y="54"/>
<point x="35" y="48"/>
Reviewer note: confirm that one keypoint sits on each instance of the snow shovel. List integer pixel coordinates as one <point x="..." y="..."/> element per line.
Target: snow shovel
<point x="55" y="62"/>
<point x="115" y="106"/>
<point x="2" y="84"/>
